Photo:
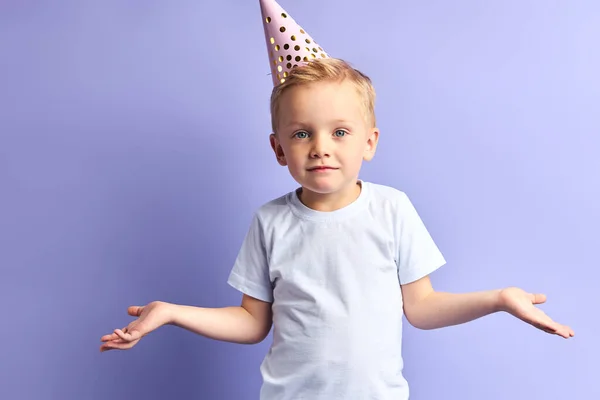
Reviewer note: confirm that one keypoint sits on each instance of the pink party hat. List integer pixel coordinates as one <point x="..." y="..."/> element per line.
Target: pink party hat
<point x="288" y="45"/>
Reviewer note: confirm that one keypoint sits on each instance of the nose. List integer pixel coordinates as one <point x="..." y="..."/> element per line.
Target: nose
<point x="320" y="147"/>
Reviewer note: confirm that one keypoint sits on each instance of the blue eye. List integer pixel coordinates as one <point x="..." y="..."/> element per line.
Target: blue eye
<point x="340" y="133"/>
<point x="301" y="135"/>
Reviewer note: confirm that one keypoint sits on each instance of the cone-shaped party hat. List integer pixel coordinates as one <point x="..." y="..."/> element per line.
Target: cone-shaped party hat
<point x="288" y="45"/>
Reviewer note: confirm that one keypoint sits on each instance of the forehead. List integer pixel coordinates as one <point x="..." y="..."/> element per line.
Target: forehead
<point x="321" y="100"/>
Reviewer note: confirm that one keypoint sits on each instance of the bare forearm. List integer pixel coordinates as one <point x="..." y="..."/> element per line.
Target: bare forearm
<point x="229" y="324"/>
<point x="440" y="309"/>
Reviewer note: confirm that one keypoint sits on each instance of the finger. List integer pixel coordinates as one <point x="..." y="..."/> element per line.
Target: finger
<point x="135" y="311"/>
<point x="563" y="333"/>
<point x="110" y="345"/>
<point x="128" y="336"/>
<point x="544" y="322"/>
<point x="558" y="329"/>
<point x="117" y="345"/>
<point x="122" y="335"/>
<point x="567" y="332"/>
<point x="537" y="298"/>
<point x="112" y="336"/>
<point x="547" y="328"/>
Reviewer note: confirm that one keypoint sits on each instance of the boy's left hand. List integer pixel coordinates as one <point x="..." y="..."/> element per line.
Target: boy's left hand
<point x="522" y="305"/>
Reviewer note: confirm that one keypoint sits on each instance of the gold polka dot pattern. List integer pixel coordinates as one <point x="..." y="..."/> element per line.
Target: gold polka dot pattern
<point x="282" y="34"/>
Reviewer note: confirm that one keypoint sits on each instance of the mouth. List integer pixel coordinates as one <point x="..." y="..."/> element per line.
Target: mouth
<point x="321" y="168"/>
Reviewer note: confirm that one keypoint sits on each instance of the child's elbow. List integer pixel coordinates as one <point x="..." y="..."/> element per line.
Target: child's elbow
<point x="258" y="336"/>
<point x="416" y="319"/>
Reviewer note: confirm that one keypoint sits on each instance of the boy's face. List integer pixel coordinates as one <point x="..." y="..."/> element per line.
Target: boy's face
<point x="323" y="136"/>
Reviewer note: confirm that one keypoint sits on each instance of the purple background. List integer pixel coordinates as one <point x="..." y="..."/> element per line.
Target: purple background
<point x="134" y="149"/>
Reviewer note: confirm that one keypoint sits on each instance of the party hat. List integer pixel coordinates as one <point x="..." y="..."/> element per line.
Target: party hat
<point x="288" y="45"/>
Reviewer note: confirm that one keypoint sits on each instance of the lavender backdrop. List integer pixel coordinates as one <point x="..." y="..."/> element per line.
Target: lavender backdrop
<point x="134" y="148"/>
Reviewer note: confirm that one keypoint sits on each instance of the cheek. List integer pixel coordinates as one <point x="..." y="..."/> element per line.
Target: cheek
<point x="294" y="156"/>
<point x="355" y="152"/>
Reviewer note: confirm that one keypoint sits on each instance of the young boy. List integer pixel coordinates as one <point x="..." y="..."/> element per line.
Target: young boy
<point x="334" y="264"/>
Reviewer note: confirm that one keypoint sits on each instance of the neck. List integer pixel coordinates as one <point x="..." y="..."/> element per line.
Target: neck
<point x="330" y="201"/>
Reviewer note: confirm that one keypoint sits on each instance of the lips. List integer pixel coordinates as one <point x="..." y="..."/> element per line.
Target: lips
<point x="321" y="168"/>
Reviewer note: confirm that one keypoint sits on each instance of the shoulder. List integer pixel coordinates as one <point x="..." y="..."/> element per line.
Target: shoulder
<point x="274" y="206"/>
<point x="387" y="195"/>
<point x="392" y="204"/>
<point x="273" y="211"/>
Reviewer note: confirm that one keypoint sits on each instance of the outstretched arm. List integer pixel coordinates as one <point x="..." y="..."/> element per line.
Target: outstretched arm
<point x="248" y="323"/>
<point x="427" y="309"/>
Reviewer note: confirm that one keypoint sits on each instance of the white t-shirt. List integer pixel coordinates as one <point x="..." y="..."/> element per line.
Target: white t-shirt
<point x="334" y="282"/>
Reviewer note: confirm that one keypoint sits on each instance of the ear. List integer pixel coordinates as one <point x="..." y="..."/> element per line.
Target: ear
<point x="277" y="149"/>
<point x="371" y="145"/>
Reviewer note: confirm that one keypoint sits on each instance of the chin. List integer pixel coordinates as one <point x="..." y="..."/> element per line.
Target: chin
<point x="323" y="186"/>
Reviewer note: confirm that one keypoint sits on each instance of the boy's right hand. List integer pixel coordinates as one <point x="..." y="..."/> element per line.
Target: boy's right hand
<point x="151" y="316"/>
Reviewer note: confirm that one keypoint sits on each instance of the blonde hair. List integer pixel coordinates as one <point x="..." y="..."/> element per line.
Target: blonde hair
<point x="325" y="70"/>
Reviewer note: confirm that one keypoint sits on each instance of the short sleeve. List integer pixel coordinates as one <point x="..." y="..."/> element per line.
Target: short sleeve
<point x="418" y="255"/>
<point x="250" y="272"/>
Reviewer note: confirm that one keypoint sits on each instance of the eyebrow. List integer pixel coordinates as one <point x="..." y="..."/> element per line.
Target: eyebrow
<point x="299" y="123"/>
<point x="293" y="123"/>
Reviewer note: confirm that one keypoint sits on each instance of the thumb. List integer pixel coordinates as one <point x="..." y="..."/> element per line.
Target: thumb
<point x="538" y="298"/>
<point x="135" y="311"/>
